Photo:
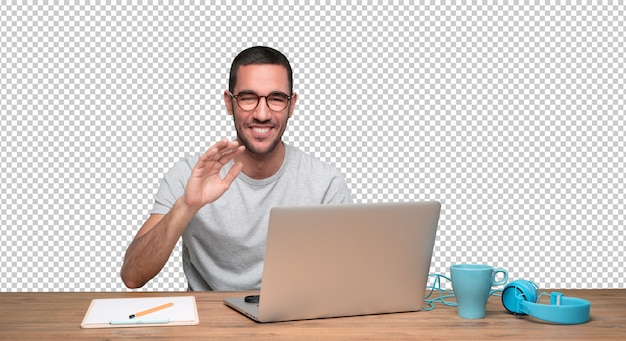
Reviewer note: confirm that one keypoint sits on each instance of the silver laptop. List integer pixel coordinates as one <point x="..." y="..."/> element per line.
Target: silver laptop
<point x="344" y="260"/>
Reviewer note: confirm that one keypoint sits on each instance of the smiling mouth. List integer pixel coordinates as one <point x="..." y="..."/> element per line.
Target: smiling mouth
<point x="261" y="130"/>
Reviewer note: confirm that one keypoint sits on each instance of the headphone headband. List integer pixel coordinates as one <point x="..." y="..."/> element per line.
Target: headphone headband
<point x="520" y="297"/>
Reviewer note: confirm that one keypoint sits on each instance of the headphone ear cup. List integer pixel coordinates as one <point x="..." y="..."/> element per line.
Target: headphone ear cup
<point x="516" y="292"/>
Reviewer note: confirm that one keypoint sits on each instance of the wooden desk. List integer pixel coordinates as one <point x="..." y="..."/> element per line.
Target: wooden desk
<point x="57" y="316"/>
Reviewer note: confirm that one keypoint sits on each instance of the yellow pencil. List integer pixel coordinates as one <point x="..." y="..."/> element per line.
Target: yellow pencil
<point x="151" y="310"/>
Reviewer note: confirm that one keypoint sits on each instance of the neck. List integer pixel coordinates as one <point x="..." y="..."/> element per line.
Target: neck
<point x="263" y="166"/>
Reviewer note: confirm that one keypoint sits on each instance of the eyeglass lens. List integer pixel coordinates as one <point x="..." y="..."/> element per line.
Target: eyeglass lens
<point x="275" y="101"/>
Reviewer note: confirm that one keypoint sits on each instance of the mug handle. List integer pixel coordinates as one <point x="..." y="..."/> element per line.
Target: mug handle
<point x="503" y="280"/>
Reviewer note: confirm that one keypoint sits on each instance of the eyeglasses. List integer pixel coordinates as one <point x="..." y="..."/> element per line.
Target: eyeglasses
<point x="248" y="101"/>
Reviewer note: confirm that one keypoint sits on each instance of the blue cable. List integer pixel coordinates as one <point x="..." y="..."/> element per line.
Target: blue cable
<point x="443" y="294"/>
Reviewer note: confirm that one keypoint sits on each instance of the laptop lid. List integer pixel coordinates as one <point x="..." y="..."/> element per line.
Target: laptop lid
<point x="344" y="260"/>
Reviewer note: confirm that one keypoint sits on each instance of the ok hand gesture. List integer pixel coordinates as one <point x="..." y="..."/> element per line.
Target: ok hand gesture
<point x="205" y="184"/>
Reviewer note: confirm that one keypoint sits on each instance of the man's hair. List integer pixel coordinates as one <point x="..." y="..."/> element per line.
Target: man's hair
<point x="259" y="55"/>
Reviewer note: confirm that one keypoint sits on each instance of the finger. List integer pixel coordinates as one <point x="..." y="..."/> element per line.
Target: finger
<point x="230" y="154"/>
<point x="230" y="148"/>
<point x="212" y="151"/>
<point x="216" y="151"/>
<point x="232" y="174"/>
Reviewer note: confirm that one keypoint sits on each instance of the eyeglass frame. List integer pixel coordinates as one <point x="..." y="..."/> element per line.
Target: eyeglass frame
<point x="289" y="97"/>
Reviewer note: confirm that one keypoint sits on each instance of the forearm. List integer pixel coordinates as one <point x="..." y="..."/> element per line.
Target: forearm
<point x="149" y="251"/>
<point x="153" y="245"/>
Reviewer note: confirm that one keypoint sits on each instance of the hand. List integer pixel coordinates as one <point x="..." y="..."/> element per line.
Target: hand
<point x="205" y="184"/>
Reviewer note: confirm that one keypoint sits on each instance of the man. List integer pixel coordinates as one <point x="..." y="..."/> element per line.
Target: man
<point x="219" y="201"/>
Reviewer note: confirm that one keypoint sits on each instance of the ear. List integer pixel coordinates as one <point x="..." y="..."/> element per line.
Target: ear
<point x="228" y="102"/>
<point x="292" y="105"/>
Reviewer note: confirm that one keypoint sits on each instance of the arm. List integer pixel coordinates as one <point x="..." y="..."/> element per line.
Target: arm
<point x="154" y="242"/>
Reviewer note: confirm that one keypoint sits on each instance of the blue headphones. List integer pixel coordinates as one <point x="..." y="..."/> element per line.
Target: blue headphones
<point x="520" y="297"/>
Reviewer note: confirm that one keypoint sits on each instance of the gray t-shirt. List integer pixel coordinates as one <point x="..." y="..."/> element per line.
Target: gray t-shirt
<point x="224" y="244"/>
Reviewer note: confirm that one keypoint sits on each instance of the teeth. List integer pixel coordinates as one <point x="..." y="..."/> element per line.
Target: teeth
<point x="261" y="130"/>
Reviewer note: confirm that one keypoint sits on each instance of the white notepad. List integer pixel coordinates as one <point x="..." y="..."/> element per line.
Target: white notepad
<point x="115" y="312"/>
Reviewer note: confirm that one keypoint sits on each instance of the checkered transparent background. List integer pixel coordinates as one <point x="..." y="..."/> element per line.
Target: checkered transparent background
<point x="511" y="115"/>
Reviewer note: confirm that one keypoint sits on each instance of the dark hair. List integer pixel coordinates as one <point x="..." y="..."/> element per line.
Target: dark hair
<point x="259" y="55"/>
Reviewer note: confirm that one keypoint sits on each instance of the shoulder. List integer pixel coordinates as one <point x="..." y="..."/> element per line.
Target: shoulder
<point x="318" y="177"/>
<point x="307" y="162"/>
<point x="183" y="167"/>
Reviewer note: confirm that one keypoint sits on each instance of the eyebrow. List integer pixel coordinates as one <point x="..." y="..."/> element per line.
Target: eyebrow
<point x="275" y="92"/>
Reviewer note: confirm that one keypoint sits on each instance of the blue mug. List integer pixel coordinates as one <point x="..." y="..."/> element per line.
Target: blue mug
<point x="471" y="284"/>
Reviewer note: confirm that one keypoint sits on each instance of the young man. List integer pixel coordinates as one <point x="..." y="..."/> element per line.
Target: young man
<point x="219" y="201"/>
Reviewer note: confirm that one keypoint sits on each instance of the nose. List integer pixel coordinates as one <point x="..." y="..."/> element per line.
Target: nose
<point x="262" y="112"/>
